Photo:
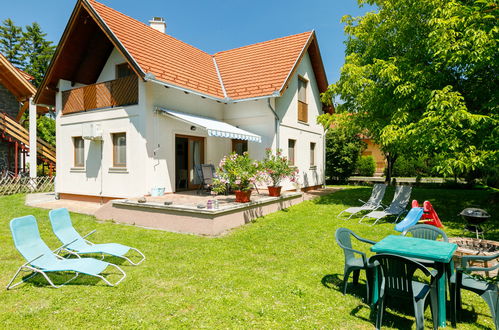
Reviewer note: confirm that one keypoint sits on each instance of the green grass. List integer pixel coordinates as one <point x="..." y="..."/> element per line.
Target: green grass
<point x="281" y="271"/>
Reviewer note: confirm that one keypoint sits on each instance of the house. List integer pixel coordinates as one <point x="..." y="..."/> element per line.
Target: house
<point x="16" y="92"/>
<point x="137" y="109"/>
<point x="372" y="149"/>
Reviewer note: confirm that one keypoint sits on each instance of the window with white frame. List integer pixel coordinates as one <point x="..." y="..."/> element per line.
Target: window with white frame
<point x="119" y="149"/>
<point x="312" y="154"/>
<point x="79" y="152"/>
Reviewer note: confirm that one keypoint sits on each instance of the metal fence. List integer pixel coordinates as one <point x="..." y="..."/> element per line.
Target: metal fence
<point x="21" y="185"/>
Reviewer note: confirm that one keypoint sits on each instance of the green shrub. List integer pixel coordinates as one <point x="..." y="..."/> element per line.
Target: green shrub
<point x="366" y="166"/>
<point x="342" y="151"/>
<point x="407" y="166"/>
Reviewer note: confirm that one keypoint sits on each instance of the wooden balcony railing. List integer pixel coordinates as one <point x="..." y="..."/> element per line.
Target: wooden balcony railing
<point x="113" y="93"/>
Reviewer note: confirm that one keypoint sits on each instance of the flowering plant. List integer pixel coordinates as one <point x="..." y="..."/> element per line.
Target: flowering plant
<point x="276" y="168"/>
<point x="238" y="172"/>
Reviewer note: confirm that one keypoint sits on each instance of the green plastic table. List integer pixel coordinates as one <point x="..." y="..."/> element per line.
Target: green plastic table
<point x="439" y="252"/>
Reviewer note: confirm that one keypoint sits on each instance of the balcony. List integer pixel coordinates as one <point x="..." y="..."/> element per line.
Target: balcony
<point x="108" y="94"/>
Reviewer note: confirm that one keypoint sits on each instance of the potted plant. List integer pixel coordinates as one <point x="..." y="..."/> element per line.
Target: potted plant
<point x="276" y="168"/>
<point x="237" y="172"/>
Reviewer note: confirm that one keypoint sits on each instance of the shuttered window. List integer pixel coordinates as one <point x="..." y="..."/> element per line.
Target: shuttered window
<point x="302" y="100"/>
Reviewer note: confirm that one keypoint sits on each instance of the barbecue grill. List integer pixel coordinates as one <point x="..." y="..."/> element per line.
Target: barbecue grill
<point x="474" y="218"/>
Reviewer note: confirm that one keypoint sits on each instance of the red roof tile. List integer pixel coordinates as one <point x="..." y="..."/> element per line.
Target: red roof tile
<point x="247" y="72"/>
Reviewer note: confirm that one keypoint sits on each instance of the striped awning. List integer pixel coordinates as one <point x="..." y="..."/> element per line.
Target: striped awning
<point x="214" y="127"/>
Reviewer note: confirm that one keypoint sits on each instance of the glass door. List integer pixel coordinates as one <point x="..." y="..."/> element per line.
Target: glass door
<point x="189" y="153"/>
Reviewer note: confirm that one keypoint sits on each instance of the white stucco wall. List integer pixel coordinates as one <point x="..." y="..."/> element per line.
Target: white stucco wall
<point x="303" y="133"/>
<point x="151" y="136"/>
<point x="98" y="178"/>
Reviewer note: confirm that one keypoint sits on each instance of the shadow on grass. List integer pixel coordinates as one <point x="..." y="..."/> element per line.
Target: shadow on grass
<point x="59" y="278"/>
<point x="448" y="203"/>
<point x="335" y="282"/>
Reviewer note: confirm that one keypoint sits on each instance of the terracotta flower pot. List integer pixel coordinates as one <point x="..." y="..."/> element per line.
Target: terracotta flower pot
<point x="274" y="191"/>
<point x="242" y="196"/>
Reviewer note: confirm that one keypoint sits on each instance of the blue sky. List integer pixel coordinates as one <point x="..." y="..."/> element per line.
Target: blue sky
<point x="214" y="25"/>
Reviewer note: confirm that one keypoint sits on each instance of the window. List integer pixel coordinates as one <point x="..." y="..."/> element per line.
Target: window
<point x="302" y="100"/>
<point x="312" y="154"/>
<point x="239" y="146"/>
<point x="79" y="151"/>
<point x="123" y="70"/>
<point x="291" y="152"/>
<point x="119" y="149"/>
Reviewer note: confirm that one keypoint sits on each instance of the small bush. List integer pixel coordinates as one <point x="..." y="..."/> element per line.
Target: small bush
<point x="406" y="166"/>
<point x="366" y="166"/>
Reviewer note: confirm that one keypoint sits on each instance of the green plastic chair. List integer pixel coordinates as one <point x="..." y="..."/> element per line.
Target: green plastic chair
<point x="461" y="280"/>
<point x="41" y="260"/>
<point x="75" y="244"/>
<point x="352" y="263"/>
<point x="397" y="281"/>
<point x="426" y="232"/>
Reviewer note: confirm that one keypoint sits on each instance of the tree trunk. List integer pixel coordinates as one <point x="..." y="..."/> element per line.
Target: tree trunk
<point x="390" y="159"/>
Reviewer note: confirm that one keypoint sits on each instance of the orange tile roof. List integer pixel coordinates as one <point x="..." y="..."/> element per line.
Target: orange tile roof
<point x="262" y="68"/>
<point x="169" y="59"/>
<point x="247" y="72"/>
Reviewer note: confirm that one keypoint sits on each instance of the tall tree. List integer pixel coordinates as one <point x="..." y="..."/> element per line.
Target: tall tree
<point x="37" y="52"/>
<point x="11" y="42"/>
<point x="421" y="76"/>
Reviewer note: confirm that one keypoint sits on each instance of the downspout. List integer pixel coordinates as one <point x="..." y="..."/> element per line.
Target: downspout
<point x="276" y="124"/>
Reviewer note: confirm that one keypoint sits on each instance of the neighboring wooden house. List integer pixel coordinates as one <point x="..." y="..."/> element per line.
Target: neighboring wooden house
<point x="15" y="94"/>
<point x="137" y="109"/>
<point x="373" y="149"/>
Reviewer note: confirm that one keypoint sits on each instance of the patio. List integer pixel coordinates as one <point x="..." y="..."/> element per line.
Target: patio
<point x="188" y="212"/>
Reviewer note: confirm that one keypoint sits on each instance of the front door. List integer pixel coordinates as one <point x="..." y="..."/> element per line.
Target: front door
<point x="189" y="152"/>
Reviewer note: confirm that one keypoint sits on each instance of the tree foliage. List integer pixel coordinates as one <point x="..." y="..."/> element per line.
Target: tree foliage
<point x="11" y="42"/>
<point x="421" y="77"/>
<point x="37" y="52"/>
<point x="27" y="49"/>
<point x="343" y="147"/>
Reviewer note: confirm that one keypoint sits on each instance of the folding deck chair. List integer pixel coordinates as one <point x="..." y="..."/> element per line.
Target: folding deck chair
<point x="75" y="244"/>
<point x="372" y="204"/>
<point x="397" y="206"/>
<point x="41" y="260"/>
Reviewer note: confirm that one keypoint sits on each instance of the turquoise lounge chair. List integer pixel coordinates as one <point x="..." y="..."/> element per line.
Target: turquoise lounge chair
<point x="75" y="244"/>
<point x="41" y="260"/>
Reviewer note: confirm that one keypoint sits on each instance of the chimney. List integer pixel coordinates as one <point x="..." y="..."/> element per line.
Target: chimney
<point x="158" y="23"/>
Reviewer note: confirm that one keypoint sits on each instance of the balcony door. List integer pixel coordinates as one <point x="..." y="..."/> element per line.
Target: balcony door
<point x="189" y="152"/>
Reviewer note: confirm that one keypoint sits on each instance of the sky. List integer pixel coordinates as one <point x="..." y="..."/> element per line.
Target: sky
<point x="214" y="25"/>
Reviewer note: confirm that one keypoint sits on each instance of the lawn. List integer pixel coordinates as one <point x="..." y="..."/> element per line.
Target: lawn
<point x="281" y="271"/>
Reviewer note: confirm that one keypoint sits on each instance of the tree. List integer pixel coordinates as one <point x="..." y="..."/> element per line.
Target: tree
<point x="421" y="77"/>
<point x="343" y="147"/>
<point x="11" y="42"/>
<point x="37" y="52"/>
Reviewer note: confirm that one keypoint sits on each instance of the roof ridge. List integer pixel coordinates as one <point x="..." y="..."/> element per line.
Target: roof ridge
<point x="263" y="42"/>
<point x="219" y="76"/>
<point x="149" y="27"/>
